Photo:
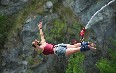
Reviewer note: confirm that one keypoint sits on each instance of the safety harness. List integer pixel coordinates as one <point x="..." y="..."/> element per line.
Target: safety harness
<point x="84" y="45"/>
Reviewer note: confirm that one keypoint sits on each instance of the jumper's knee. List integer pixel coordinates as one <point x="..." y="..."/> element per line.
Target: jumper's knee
<point x="84" y="48"/>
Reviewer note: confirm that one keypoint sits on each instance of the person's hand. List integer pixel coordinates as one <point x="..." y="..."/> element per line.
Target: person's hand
<point x="40" y="25"/>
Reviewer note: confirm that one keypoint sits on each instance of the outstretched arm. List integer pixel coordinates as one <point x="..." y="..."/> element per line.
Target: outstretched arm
<point x="41" y="33"/>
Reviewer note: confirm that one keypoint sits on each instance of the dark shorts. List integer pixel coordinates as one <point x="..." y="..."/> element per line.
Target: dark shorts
<point x="60" y="49"/>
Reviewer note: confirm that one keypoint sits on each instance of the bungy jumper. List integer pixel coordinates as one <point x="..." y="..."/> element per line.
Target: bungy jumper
<point x="82" y="32"/>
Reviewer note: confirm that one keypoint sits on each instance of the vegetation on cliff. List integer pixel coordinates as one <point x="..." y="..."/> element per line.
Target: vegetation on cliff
<point x="108" y="64"/>
<point x="60" y="30"/>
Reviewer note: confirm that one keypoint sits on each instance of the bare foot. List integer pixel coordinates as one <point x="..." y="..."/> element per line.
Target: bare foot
<point x="92" y="44"/>
<point x="92" y="48"/>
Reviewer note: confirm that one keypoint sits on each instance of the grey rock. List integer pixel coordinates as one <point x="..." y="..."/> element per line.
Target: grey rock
<point x="103" y="25"/>
<point x="16" y="60"/>
<point x="49" y="4"/>
<point x="24" y="0"/>
<point x="5" y="2"/>
<point x="14" y="1"/>
<point x="25" y="62"/>
<point x="11" y="6"/>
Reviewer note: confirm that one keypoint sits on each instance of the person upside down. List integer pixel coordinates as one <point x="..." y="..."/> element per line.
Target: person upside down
<point x="60" y="49"/>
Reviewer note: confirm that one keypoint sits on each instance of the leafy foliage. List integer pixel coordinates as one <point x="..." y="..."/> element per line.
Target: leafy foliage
<point x="65" y="13"/>
<point x="57" y="32"/>
<point x="5" y="25"/>
<point x="74" y="65"/>
<point x="60" y="32"/>
<point x="108" y="65"/>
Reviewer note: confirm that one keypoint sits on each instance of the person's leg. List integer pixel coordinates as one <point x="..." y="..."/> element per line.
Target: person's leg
<point x="77" y="45"/>
<point x="70" y="51"/>
<point x="66" y="49"/>
<point x="73" y="46"/>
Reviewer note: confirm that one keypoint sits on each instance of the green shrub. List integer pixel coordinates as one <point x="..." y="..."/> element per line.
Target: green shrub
<point x="57" y="32"/>
<point x="60" y="32"/>
<point x="108" y="65"/>
<point x="6" y="24"/>
<point x="74" y="65"/>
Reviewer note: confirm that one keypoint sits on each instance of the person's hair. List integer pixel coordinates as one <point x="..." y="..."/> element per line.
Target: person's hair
<point x="37" y="44"/>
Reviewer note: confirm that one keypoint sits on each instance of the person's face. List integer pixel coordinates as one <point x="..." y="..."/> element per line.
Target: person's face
<point x="38" y="42"/>
<point x="35" y="43"/>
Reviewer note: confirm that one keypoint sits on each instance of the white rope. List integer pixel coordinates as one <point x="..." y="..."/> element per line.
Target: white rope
<point x="98" y="12"/>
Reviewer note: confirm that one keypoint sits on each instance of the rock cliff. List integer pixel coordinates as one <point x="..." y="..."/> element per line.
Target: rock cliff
<point x="18" y="58"/>
<point x="103" y="25"/>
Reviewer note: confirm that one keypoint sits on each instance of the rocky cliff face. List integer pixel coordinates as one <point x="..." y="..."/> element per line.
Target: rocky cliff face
<point x="18" y="58"/>
<point x="103" y="25"/>
<point x="9" y="7"/>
